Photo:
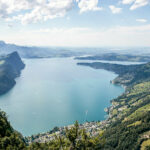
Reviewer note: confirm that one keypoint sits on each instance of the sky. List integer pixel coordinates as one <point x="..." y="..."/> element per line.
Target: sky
<point x="76" y="23"/>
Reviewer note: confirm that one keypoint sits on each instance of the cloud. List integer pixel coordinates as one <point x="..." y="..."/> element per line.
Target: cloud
<point x="88" y="5"/>
<point x="32" y="11"/>
<point x="114" y="9"/>
<point x="128" y="1"/>
<point x="61" y="30"/>
<point x="3" y="11"/>
<point x="115" y="36"/>
<point x="10" y="25"/>
<point x="136" y="3"/>
<point x="141" y="20"/>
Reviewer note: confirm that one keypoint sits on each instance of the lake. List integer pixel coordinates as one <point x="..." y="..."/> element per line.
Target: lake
<point x="56" y="92"/>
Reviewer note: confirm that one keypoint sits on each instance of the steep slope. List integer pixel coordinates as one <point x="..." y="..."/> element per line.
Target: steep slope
<point x="9" y="138"/>
<point x="129" y="118"/>
<point x="10" y="68"/>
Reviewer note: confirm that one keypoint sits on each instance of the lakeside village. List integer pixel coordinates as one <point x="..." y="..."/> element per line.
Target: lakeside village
<point x="92" y="128"/>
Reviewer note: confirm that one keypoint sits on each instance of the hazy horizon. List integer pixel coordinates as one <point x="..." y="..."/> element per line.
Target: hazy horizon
<point x="77" y="47"/>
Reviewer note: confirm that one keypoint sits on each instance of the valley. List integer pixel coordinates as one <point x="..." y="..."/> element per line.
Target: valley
<point x="128" y="116"/>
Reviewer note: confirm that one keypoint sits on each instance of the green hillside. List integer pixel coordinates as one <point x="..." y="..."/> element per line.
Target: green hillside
<point x="130" y="119"/>
<point x="9" y="138"/>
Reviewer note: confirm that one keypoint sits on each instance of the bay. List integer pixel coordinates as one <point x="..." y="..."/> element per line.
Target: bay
<point x="56" y="92"/>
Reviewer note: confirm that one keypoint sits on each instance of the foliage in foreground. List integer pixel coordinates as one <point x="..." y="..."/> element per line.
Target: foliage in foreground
<point x="74" y="139"/>
<point x="9" y="139"/>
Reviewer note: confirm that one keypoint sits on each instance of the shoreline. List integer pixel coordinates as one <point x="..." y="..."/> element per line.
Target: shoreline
<point x="92" y="127"/>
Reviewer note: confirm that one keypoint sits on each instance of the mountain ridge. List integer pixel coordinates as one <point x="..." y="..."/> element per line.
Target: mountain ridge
<point x="10" y="68"/>
<point x="36" y="52"/>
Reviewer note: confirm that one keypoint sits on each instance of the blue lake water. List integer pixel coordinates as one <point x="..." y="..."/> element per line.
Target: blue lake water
<point x="56" y="92"/>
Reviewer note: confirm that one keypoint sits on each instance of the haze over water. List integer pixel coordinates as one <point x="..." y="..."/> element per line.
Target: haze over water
<point x="56" y="92"/>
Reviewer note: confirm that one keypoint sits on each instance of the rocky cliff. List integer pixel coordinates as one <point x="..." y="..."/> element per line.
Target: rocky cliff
<point x="10" y="68"/>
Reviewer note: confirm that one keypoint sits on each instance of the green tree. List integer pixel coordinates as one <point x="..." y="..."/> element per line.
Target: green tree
<point x="72" y="135"/>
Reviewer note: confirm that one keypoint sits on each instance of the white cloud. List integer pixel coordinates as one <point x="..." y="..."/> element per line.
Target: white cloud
<point x="34" y="10"/>
<point x="127" y="1"/>
<point x="141" y="20"/>
<point x="136" y="3"/>
<point x="114" y="9"/>
<point x="61" y="30"/>
<point x="88" y="5"/>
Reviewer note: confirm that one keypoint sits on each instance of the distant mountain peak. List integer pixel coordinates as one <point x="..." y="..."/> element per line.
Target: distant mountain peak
<point x="15" y="53"/>
<point x="2" y="43"/>
<point x="15" y="60"/>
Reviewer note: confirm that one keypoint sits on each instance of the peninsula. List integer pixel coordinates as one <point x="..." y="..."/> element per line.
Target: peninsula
<point x="10" y="68"/>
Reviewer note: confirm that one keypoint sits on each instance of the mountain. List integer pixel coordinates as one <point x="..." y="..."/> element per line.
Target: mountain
<point x="118" y="57"/>
<point x="10" y="68"/>
<point x="36" y="52"/>
<point x="101" y="53"/>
